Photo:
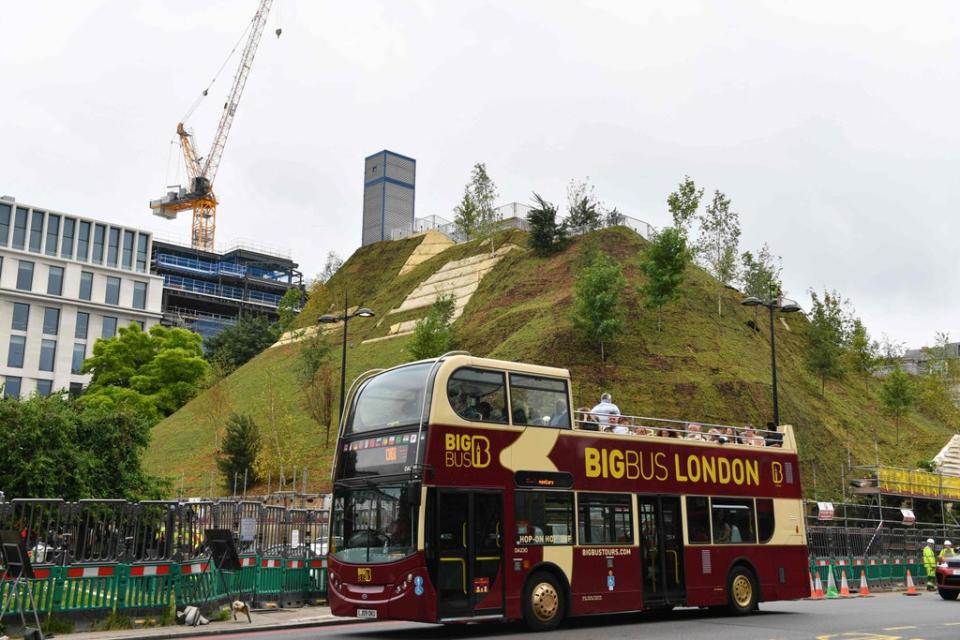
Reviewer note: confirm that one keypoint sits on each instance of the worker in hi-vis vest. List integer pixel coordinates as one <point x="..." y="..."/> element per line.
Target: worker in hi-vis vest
<point x="930" y="564"/>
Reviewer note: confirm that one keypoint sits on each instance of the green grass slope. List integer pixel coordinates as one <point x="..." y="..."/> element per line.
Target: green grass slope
<point x="700" y="367"/>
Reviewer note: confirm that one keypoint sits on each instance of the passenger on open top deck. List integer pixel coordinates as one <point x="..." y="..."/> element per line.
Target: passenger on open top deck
<point x="751" y="439"/>
<point x="694" y="432"/>
<point x="619" y="425"/>
<point x="604" y="410"/>
<point x="586" y="420"/>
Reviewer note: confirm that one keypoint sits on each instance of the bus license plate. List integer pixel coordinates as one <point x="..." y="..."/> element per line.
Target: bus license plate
<point x="369" y="614"/>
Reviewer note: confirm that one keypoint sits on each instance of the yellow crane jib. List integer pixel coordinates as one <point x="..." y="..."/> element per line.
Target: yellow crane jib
<point x="198" y="196"/>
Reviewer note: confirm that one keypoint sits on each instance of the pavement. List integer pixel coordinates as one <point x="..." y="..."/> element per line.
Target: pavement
<point x="270" y="619"/>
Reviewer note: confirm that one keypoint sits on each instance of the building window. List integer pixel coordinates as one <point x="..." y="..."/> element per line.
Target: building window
<point x="99" y="232"/>
<point x="18" y="345"/>
<point x="544" y="518"/>
<point x="36" y="231"/>
<point x="21" y="316"/>
<point x="83" y="325"/>
<point x="53" y="230"/>
<point x="5" y="211"/>
<point x="605" y="518"/>
<point x="139" y="295"/>
<point x="113" y="251"/>
<point x="55" y="281"/>
<point x="109" y="327"/>
<point x="141" y="324"/>
<point x="44" y="387"/>
<point x="20" y="229"/>
<point x="539" y="401"/>
<point x="83" y="241"/>
<point x="113" y="290"/>
<point x="86" y="285"/>
<point x="11" y="387"/>
<point x="128" y="249"/>
<point x="79" y="355"/>
<point x="142" y="240"/>
<point x="48" y="354"/>
<point x="76" y="388"/>
<point x="25" y="276"/>
<point x="51" y="321"/>
<point x="66" y="243"/>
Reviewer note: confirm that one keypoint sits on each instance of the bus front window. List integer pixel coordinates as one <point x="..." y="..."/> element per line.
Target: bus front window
<point x="392" y="399"/>
<point x="373" y="524"/>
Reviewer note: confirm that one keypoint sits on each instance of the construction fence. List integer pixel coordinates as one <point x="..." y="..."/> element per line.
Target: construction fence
<point x="102" y="556"/>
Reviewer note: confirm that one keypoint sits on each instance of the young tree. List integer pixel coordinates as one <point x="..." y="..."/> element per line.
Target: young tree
<point x="684" y="203"/>
<point x="241" y="446"/>
<point x="289" y="308"/>
<point x="760" y="275"/>
<point x="546" y="236"/>
<point x="663" y="263"/>
<point x="719" y="241"/>
<point x="614" y="218"/>
<point x="827" y="337"/>
<point x="238" y="344"/>
<point x="330" y="267"/>
<point x="466" y="216"/>
<point x="897" y="395"/>
<point x="597" y="309"/>
<point x="484" y="193"/>
<point x="584" y="211"/>
<point x="156" y="371"/>
<point x="432" y="335"/>
<point x="862" y="353"/>
<point x="319" y="399"/>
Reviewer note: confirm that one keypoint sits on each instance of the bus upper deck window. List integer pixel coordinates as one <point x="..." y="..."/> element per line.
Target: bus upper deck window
<point x="539" y="401"/>
<point x="478" y="395"/>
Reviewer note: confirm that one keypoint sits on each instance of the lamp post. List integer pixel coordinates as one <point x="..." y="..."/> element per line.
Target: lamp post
<point x="777" y="303"/>
<point x="362" y="312"/>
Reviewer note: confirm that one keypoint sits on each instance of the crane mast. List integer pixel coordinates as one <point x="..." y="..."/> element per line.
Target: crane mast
<point x="199" y="197"/>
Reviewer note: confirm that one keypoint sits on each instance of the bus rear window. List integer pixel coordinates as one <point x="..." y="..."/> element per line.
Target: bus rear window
<point x="392" y="399"/>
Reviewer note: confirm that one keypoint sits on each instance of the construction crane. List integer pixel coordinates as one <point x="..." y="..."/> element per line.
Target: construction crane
<point x="201" y="172"/>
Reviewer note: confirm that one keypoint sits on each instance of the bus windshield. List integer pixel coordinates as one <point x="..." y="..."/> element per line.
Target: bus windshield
<point x="372" y="524"/>
<point x="392" y="399"/>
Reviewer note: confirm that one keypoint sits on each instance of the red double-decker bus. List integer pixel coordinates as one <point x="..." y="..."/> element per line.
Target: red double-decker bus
<point x="469" y="489"/>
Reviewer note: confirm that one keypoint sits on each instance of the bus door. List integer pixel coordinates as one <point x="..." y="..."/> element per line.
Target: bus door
<point x="469" y="555"/>
<point x="661" y="550"/>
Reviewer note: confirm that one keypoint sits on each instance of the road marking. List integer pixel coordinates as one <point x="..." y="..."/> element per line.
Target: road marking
<point x="912" y="626"/>
<point x="950" y="624"/>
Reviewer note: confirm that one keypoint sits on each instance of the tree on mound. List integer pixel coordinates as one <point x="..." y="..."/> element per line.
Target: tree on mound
<point x="238" y="344"/>
<point x="897" y="395"/>
<point x="432" y="335"/>
<point x="664" y="262"/>
<point x="719" y="241"/>
<point x="597" y="309"/>
<point x="241" y="446"/>
<point x="546" y="236"/>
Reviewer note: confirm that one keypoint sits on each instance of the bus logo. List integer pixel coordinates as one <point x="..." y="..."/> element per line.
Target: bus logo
<point x="466" y="451"/>
<point x="777" y="470"/>
<point x="364" y="574"/>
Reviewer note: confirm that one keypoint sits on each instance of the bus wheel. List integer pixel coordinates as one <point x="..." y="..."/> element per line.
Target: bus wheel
<point x="543" y="604"/>
<point x="742" y="591"/>
<point x="948" y="594"/>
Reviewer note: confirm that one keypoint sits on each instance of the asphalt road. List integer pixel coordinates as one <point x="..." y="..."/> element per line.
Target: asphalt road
<point x="884" y="617"/>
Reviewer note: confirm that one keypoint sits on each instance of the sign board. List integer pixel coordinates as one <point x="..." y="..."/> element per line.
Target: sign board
<point x="248" y="529"/>
<point x="824" y="511"/>
<point x="908" y="517"/>
<point x="295" y="538"/>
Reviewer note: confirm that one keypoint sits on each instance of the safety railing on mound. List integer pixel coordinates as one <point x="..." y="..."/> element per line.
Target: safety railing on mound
<point x="113" y="555"/>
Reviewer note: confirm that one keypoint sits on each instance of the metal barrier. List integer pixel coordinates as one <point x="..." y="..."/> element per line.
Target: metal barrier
<point x="98" y="556"/>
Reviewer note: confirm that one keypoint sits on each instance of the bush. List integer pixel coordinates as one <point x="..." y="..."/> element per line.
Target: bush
<point x="241" y="445"/>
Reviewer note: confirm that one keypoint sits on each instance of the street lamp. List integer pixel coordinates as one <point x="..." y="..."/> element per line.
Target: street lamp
<point x="784" y="306"/>
<point x="362" y="312"/>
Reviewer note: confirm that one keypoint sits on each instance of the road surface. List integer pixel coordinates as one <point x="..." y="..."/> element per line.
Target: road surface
<point x="884" y="617"/>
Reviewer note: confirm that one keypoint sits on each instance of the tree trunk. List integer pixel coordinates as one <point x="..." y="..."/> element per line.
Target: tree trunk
<point x="823" y="384"/>
<point x="659" y="318"/>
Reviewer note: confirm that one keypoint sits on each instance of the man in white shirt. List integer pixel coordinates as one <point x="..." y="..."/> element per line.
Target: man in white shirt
<point x="604" y="410"/>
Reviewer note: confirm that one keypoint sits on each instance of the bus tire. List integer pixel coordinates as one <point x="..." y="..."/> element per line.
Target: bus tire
<point x="742" y="591"/>
<point x="948" y="594"/>
<point x="543" y="602"/>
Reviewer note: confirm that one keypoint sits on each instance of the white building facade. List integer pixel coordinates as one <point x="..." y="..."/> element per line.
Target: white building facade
<point x="65" y="282"/>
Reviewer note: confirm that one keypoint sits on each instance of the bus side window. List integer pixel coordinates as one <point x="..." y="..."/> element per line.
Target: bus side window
<point x="539" y="401"/>
<point x="765" y="520"/>
<point x="698" y="520"/>
<point x="605" y="519"/>
<point x="733" y="521"/>
<point x="478" y="395"/>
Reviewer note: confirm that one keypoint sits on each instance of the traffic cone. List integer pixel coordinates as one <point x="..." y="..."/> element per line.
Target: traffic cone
<point x="818" y="588"/>
<point x="815" y="594"/>
<point x="864" y="589"/>
<point x="911" y="590"/>
<point x="844" y="587"/>
<point x="831" y="586"/>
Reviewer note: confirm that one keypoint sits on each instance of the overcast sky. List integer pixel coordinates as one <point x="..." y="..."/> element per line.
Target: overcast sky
<point x="833" y="126"/>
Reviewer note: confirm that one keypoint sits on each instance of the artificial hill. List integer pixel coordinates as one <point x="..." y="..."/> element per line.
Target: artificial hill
<point x="700" y="367"/>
